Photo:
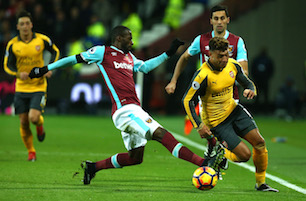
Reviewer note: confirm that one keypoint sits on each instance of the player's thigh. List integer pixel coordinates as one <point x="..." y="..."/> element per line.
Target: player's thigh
<point x="225" y="132"/>
<point x="38" y="101"/>
<point x="254" y="138"/>
<point x="21" y="103"/>
<point x="134" y="120"/>
<point x="133" y="140"/>
<point x="243" y="122"/>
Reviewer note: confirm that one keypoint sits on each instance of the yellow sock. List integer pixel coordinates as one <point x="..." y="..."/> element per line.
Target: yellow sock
<point x="27" y="138"/>
<point x="40" y="121"/>
<point x="260" y="159"/>
<point x="231" y="156"/>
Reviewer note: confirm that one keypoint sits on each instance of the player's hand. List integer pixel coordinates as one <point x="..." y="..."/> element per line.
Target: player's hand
<point x="48" y="74"/>
<point x="249" y="94"/>
<point x="176" y="43"/>
<point x="38" y="72"/>
<point x="204" y="132"/>
<point x="170" y="88"/>
<point x="23" y="75"/>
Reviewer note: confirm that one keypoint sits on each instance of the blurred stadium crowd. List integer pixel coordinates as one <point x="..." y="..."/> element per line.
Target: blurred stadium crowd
<point x="76" y="25"/>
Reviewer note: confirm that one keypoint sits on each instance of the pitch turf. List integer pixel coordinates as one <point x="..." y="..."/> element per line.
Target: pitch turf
<point x="71" y="139"/>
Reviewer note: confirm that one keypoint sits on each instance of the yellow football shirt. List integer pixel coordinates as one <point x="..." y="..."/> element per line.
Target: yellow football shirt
<point x="215" y="89"/>
<point x="22" y="57"/>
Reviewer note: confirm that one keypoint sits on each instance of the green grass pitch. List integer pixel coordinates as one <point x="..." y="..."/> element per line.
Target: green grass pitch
<point x="72" y="139"/>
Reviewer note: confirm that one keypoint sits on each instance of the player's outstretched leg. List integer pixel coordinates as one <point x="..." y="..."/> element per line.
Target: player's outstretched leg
<point x="176" y="148"/>
<point x="89" y="171"/>
<point x="133" y="157"/>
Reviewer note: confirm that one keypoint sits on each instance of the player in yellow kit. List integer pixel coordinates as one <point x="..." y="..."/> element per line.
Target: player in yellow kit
<point x="221" y="116"/>
<point x="24" y="52"/>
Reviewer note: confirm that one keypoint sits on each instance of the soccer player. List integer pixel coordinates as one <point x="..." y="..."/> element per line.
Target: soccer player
<point x="219" y="19"/>
<point x="221" y="115"/>
<point x="24" y="52"/>
<point x="117" y="65"/>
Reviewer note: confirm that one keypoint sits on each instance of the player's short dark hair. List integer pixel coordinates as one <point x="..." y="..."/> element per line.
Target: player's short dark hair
<point x="118" y="31"/>
<point x="218" y="43"/>
<point x="24" y="13"/>
<point x="218" y="8"/>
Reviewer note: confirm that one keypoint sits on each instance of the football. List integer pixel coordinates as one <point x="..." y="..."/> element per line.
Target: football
<point x="205" y="178"/>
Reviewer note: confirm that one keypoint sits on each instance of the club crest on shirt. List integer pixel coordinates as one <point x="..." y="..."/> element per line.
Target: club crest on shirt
<point x="231" y="74"/>
<point x="37" y="47"/>
<point x="114" y="54"/>
<point x="231" y="50"/>
<point x="149" y="120"/>
<point x="128" y="59"/>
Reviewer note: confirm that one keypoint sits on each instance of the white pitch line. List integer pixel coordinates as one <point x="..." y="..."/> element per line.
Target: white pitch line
<point x="244" y="165"/>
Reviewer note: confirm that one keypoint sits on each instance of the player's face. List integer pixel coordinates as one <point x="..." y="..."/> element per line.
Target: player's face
<point x="24" y="26"/>
<point x="219" y="21"/>
<point x="218" y="58"/>
<point x="126" y="42"/>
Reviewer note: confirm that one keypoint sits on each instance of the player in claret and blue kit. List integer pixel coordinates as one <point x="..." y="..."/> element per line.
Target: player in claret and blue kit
<point x="117" y="65"/>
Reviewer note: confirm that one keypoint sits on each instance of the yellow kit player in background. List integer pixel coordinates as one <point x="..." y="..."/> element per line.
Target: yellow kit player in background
<point x="24" y="52"/>
<point x="221" y="116"/>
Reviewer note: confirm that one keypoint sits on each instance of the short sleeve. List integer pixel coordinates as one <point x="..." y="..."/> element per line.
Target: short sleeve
<point x="94" y="54"/>
<point x="194" y="48"/>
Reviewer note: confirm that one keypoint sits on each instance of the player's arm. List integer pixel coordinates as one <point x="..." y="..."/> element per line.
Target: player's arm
<point x="62" y="63"/>
<point x="147" y="66"/>
<point x="245" y="67"/>
<point x="196" y="87"/>
<point x="249" y="87"/>
<point x="52" y="48"/>
<point x="10" y="61"/>
<point x="182" y="63"/>
<point x="10" y="64"/>
<point x="242" y="56"/>
<point x="93" y="55"/>
<point x="179" y="68"/>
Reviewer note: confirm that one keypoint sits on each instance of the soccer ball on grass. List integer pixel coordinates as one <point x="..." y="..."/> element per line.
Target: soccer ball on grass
<point x="204" y="178"/>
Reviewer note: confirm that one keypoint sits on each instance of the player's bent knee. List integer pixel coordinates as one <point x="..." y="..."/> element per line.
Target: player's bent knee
<point x="260" y="145"/>
<point x="34" y="119"/>
<point x="159" y="134"/>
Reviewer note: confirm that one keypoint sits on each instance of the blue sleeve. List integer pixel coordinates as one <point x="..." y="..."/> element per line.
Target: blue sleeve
<point x="195" y="48"/>
<point x="147" y="66"/>
<point x="64" y="62"/>
<point x="241" y="51"/>
<point x="94" y="54"/>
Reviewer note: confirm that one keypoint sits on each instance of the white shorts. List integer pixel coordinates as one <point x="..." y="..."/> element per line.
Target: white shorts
<point x="136" y="125"/>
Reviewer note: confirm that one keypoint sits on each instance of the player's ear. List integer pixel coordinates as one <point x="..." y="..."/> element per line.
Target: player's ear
<point x="228" y="20"/>
<point x="209" y="53"/>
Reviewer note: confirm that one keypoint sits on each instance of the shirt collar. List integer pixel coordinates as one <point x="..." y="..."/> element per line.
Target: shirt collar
<point x="212" y="67"/>
<point x="34" y="36"/>
<point x="115" y="48"/>
<point x="225" y="35"/>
